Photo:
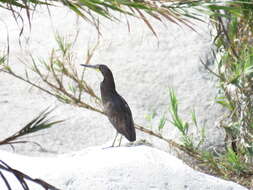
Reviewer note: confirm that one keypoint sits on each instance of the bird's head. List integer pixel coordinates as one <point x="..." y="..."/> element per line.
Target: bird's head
<point x="108" y="82"/>
<point x="106" y="72"/>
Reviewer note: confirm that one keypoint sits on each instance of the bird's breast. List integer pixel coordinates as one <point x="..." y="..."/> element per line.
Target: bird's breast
<point x="108" y="106"/>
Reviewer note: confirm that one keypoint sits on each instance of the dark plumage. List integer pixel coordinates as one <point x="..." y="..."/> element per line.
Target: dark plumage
<point x="115" y="107"/>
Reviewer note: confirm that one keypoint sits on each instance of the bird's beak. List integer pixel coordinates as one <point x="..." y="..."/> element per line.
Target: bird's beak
<point x="91" y="66"/>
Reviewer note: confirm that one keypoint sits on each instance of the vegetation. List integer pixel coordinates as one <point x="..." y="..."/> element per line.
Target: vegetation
<point x="234" y="70"/>
<point x="233" y="39"/>
<point x="39" y="123"/>
<point x="22" y="178"/>
<point x="176" y="11"/>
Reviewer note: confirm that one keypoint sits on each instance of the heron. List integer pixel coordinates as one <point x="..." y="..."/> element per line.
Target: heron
<point x="115" y="106"/>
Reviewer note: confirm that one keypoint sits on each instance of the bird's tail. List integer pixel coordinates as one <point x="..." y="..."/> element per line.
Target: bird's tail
<point x="131" y="136"/>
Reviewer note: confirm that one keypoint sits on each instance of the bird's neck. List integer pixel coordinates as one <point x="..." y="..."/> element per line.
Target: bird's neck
<point x="107" y="87"/>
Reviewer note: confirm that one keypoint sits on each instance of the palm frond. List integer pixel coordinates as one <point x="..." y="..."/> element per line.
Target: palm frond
<point x="176" y="11"/>
<point x="39" y="123"/>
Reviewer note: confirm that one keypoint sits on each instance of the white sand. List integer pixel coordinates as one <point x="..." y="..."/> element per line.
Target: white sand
<point x="130" y="168"/>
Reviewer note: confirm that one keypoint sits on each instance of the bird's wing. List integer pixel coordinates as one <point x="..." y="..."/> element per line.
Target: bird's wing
<point x="121" y="117"/>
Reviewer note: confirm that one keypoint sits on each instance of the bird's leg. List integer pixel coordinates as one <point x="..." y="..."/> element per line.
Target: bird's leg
<point x="120" y="139"/>
<point x="115" y="138"/>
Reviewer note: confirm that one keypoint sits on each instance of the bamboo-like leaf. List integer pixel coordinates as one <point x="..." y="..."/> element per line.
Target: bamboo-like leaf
<point x="2" y="60"/>
<point x="162" y="122"/>
<point x="95" y="8"/>
<point x="175" y="11"/>
<point x="111" y="6"/>
<point x="13" y="3"/>
<point x="224" y="102"/>
<point x="37" y="2"/>
<point x="147" y="22"/>
<point x="40" y="122"/>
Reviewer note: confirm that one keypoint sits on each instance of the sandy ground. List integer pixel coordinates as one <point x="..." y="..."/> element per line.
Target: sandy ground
<point x="122" y="168"/>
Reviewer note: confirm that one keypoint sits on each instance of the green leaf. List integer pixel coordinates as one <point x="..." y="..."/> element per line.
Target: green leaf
<point x="162" y="122"/>
<point x="194" y="119"/>
<point x="38" y="123"/>
<point x="224" y="102"/>
<point x="2" y="60"/>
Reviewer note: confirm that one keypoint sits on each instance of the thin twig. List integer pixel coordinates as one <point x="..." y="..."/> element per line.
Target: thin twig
<point x="227" y="37"/>
<point x="22" y="177"/>
<point x="207" y="68"/>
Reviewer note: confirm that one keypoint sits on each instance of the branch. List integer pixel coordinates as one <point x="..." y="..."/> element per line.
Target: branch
<point x="21" y="177"/>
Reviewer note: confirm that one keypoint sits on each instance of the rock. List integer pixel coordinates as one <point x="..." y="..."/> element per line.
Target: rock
<point x="122" y="168"/>
<point x="144" y="68"/>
